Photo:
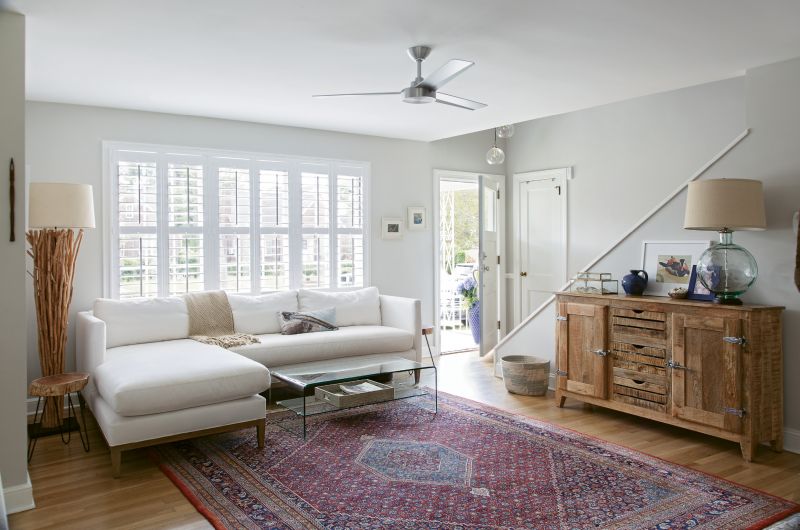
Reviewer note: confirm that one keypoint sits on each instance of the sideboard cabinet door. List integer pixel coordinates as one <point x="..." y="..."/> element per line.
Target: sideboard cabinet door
<point x="706" y="370"/>
<point x="583" y="349"/>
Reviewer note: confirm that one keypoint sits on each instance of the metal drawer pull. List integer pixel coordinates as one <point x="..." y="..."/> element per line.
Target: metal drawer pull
<point x="678" y="366"/>
<point x="735" y="340"/>
<point x="601" y="353"/>
<point x="561" y="373"/>
<point x="735" y="412"/>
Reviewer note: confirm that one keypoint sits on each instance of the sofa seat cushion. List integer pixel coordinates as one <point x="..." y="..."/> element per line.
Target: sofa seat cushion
<point x="173" y="375"/>
<point x="279" y="350"/>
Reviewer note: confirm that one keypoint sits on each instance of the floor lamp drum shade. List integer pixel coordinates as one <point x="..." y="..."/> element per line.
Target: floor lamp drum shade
<point x="726" y="205"/>
<point x="57" y="215"/>
<point x="60" y="205"/>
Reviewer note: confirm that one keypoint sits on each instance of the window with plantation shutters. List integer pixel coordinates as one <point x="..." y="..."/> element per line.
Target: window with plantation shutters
<point x="187" y="220"/>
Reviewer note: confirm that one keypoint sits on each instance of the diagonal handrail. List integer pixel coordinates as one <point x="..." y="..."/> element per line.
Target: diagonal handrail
<point x="697" y="174"/>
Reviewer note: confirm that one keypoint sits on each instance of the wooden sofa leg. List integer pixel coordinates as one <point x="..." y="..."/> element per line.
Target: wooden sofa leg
<point x="116" y="461"/>
<point x="260" y="428"/>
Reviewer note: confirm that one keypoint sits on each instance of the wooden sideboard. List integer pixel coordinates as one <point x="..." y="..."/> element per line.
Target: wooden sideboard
<point x="711" y="368"/>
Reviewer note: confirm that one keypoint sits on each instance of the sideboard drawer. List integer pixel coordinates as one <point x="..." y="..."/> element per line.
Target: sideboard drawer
<point x="647" y="328"/>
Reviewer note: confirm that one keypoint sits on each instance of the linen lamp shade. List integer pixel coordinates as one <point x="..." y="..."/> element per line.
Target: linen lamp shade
<point x="732" y="204"/>
<point x="60" y="205"/>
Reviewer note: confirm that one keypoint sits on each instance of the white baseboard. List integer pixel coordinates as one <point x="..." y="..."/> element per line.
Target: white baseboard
<point x="791" y="440"/>
<point x="19" y="498"/>
<point x="30" y="404"/>
<point x="791" y="437"/>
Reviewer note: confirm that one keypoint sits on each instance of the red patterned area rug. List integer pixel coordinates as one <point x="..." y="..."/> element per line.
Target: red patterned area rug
<point x="397" y="466"/>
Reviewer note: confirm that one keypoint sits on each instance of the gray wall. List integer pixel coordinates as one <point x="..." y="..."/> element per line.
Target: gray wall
<point x="13" y="466"/>
<point x="64" y="145"/>
<point x="688" y="127"/>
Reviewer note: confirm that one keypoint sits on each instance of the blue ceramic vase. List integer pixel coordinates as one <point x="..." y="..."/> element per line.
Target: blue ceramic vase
<point x="635" y="283"/>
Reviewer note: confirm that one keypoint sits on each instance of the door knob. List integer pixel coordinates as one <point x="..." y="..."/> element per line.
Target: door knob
<point x="523" y="274"/>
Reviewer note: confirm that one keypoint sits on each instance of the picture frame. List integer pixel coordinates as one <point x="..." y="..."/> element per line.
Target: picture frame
<point x="417" y="218"/>
<point x="669" y="264"/>
<point x="391" y="228"/>
<point x="697" y="291"/>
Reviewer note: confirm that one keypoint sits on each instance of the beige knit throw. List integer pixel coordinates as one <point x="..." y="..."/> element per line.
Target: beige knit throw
<point x="211" y="320"/>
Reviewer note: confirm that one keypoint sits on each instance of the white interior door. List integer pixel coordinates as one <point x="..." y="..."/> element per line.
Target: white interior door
<point x="489" y="262"/>
<point x="542" y="236"/>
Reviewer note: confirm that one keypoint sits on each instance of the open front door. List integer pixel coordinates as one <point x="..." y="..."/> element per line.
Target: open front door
<point x="490" y="275"/>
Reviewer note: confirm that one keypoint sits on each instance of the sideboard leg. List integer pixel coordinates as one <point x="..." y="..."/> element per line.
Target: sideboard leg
<point x="748" y="449"/>
<point x="561" y="399"/>
<point x="777" y="443"/>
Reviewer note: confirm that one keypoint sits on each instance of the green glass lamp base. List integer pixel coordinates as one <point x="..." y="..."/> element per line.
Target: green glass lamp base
<point x="722" y="300"/>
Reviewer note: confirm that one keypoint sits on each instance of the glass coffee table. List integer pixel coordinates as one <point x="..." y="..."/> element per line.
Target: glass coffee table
<point x="402" y="375"/>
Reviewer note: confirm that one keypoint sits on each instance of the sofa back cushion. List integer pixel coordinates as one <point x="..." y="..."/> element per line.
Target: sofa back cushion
<point x="353" y="308"/>
<point x="142" y="320"/>
<point x="258" y="315"/>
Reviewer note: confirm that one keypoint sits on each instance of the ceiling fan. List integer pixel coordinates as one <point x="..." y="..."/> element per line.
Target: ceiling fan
<point x="426" y="89"/>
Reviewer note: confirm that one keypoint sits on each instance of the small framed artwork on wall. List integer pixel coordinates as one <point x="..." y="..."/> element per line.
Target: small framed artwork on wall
<point x="417" y="218"/>
<point x="391" y="228"/>
<point x="669" y="264"/>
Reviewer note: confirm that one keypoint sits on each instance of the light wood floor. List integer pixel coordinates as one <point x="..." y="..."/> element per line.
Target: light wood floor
<point x="74" y="489"/>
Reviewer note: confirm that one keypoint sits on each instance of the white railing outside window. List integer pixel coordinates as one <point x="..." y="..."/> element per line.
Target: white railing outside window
<point x="181" y="220"/>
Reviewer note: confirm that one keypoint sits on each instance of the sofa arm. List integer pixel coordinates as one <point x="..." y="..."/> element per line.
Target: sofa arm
<point x="90" y="343"/>
<point x="404" y="313"/>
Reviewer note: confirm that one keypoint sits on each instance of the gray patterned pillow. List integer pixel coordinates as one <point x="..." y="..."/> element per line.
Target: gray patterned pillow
<point x="293" y="322"/>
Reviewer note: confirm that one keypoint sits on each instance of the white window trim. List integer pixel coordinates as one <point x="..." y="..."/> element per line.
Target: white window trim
<point x="211" y="160"/>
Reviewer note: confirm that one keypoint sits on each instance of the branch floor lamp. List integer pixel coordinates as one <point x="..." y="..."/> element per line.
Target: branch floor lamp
<point x="55" y="212"/>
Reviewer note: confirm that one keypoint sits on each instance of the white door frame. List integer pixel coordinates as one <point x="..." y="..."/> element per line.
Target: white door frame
<point x="561" y="176"/>
<point x="465" y="176"/>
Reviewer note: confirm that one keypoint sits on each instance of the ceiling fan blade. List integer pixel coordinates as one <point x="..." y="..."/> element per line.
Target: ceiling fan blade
<point x="445" y="73"/>
<point x="356" y="94"/>
<point x="456" y="101"/>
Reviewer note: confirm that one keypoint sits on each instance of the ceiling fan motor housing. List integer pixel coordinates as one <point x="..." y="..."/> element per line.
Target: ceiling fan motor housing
<point x="418" y="94"/>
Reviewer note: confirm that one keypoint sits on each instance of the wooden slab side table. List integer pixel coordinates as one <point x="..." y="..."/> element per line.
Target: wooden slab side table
<point x="60" y="385"/>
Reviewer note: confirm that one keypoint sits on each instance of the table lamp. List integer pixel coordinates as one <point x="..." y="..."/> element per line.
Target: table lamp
<point x="725" y="205"/>
<point x="55" y="210"/>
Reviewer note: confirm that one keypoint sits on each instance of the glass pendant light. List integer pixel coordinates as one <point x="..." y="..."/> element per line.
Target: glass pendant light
<point x="495" y="155"/>
<point x="505" y="131"/>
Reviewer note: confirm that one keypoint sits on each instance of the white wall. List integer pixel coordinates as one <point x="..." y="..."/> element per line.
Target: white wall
<point x="711" y="115"/>
<point x="64" y="144"/>
<point x="13" y="466"/>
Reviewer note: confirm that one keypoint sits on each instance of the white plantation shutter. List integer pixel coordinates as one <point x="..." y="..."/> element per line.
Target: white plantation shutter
<point x="185" y="227"/>
<point x="137" y="210"/>
<point x="234" y="192"/>
<point x="350" y="227"/>
<point x="239" y="222"/>
<point x="274" y="214"/>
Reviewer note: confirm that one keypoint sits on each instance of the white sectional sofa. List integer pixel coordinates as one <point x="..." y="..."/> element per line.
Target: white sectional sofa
<point x="149" y="383"/>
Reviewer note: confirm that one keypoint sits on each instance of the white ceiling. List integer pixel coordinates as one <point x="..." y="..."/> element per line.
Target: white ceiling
<point x="260" y="60"/>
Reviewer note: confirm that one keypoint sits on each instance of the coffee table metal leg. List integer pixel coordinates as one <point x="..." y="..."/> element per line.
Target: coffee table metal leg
<point x="304" y="415"/>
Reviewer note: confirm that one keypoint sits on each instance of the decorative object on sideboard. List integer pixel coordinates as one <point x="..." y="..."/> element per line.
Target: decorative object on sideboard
<point x="594" y="283"/>
<point x="12" y="200"/>
<point x="391" y="228"/>
<point x="726" y="205"/>
<point x="56" y="210"/>
<point x="678" y="293"/>
<point x="635" y="283"/>
<point x="417" y="218"/>
<point x="495" y="156"/>
<point x="669" y="264"/>
<point x="696" y="289"/>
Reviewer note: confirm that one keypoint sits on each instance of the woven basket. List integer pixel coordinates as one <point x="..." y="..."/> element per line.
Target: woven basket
<point x="526" y="375"/>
